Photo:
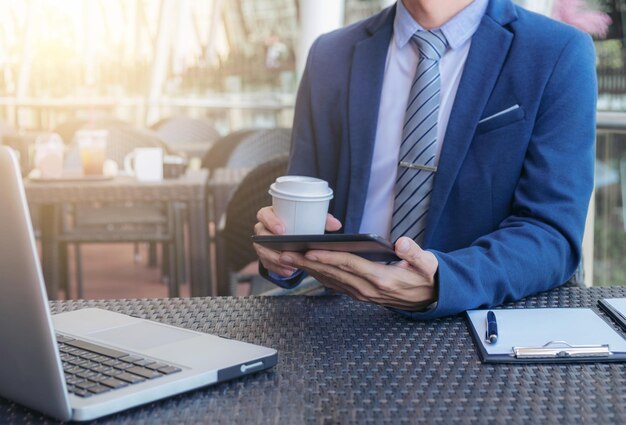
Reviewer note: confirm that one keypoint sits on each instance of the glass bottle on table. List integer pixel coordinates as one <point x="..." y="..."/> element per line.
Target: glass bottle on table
<point x="92" y="145"/>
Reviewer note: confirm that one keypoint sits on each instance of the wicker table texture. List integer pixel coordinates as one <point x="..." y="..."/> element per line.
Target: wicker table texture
<point x="123" y="188"/>
<point x="341" y="361"/>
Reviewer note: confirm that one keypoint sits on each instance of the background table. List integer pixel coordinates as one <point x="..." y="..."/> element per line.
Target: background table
<point x="190" y="189"/>
<point x="343" y="361"/>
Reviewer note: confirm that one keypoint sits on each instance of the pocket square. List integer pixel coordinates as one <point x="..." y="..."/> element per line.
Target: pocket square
<point x="502" y="119"/>
<point x="497" y="114"/>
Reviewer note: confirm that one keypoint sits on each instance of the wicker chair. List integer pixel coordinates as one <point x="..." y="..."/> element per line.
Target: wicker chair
<point x="191" y="136"/>
<point x="130" y="222"/>
<point x="255" y="148"/>
<point x="220" y="151"/>
<point x="259" y="147"/>
<point x="235" y="248"/>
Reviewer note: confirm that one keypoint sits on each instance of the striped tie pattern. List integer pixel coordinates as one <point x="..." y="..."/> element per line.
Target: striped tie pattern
<point x="416" y="163"/>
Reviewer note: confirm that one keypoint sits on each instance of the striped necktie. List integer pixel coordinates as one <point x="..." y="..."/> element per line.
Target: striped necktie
<point x="416" y="164"/>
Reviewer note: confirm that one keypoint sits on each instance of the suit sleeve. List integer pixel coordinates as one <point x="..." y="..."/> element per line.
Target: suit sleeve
<point x="538" y="246"/>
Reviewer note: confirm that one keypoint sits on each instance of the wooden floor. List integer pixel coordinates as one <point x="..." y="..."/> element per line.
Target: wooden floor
<point x="112" y="271"/>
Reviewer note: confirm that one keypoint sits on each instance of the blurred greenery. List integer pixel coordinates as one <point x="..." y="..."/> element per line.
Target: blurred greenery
<point x="609" y="53"/>
<point x="609" y="266"/>
<point x="610" y="252"/>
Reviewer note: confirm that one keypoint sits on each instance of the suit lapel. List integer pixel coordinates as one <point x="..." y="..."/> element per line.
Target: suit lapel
<point x="490" y="46"/>
<point x="366" y="80"/>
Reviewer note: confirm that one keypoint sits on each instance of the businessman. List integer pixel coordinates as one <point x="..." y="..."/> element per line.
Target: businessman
<point x="461" y="130"/>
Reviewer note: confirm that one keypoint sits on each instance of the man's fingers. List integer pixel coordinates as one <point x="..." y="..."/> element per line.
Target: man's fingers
<point x="331" y="284"/>
<point x="373" y="276"/>
<point x="423" y="261"/>
<point x="399" y="285"/>
<point x="273" y="223"/>
<point x="335" y="276"/>
<point x="278" y="269"/>
<point x="332" y="224"/>
<point x="271" y="261"/>
<point x="270" y="258"/>
<point x="270" y="220"/>
<point x="260" y="229"/>
<point x="366" y="275"/>
<point x="283" y="272"/>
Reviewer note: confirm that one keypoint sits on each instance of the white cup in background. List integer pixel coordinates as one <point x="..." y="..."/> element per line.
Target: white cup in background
<point x="49" y="155"/>
<point x="301" y="203"/>
<point x="146" y="164"/>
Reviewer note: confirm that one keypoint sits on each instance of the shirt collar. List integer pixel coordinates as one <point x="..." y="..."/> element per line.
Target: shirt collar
<point x="457" y="30"/>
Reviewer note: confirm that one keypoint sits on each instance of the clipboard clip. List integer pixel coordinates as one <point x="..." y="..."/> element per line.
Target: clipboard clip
<point x="561" y="349"/>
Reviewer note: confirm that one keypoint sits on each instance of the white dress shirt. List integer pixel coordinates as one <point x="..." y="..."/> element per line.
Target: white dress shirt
<point x="402" y="60"/>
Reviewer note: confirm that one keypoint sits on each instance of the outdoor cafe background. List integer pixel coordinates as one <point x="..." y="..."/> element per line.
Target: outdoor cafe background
<point x="235" y="65"/>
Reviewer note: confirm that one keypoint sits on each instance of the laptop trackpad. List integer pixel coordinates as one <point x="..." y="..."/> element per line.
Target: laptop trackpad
<point x="142" y="335"/>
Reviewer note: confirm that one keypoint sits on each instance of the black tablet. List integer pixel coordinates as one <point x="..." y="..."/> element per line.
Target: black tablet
<point x="366" y="245"/>
<point x="611" y="307"/>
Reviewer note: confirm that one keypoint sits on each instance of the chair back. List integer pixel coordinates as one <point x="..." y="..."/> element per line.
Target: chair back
<point x="192" y="137"/>
<point x="123" y="140"/>
<point x="177" y="130"/>
<point x="260" y="147"/>
<point x="249" y="196"/>
<point x="218" y="154"/>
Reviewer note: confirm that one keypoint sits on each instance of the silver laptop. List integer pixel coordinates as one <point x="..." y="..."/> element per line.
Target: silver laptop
<point x="89" y="363"/>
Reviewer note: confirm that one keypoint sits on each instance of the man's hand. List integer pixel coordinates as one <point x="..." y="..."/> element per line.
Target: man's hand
<point x="270" y="224"/>
<point x="407" y="285"/>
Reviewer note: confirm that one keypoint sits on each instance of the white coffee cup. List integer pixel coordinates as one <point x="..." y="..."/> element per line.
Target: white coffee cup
<point x="146" y="164"/>
<point x="301" y="203"/>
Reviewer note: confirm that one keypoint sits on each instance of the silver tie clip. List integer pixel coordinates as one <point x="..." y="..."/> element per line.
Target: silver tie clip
<point x="418" y="167"/>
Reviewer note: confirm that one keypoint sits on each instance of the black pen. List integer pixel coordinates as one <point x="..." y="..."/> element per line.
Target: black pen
<point x="492" y="328"/>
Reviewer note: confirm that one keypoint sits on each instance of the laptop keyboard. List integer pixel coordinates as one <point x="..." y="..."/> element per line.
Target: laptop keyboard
<point x="93" y="369"/>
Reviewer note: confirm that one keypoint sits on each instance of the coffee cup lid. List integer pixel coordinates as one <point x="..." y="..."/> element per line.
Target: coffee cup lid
<point x="301" y="188"/>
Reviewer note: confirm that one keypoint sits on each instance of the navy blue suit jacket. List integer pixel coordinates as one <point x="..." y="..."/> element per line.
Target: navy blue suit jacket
<point x="511" y="193"/>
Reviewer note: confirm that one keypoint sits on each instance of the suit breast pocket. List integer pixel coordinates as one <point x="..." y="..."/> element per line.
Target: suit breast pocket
<point x="500" y="119"/>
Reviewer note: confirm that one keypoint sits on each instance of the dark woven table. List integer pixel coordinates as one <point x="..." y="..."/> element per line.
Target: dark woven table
<point x="342" y="361"/>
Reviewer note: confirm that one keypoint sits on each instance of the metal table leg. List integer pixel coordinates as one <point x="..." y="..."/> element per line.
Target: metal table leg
<point x="199" y="266"/>
<point x="50" y="254"/>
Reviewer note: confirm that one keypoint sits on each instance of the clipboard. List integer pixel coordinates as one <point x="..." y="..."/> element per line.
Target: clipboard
<point x="547" y="335"/>
<point x="616" y="309"/>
